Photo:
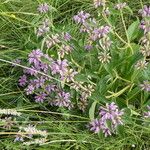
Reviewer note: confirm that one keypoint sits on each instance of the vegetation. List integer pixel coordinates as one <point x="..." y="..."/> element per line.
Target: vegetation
<point x="74" y="74"/>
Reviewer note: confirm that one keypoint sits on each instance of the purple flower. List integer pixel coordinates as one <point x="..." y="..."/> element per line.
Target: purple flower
<point x="100" y="32"/>
<point x="81" y="17"/>
<point x="88" y="47"/>
<point x="106" y="11"/>
<point x="39" y="82"/>
<point x="40" y="97"/>
<point x="145" y="86"/>
<point x="141" y="64"/>
<point x="68" y="75"/>
<point x="96" y="125"/>
<point x="63" y="100"/>
<point x="23" y="80"/>
<point x="34" y="57"/>
<point x="30" y="89"/>
<point x="65" y="49"/>
<point x="147" y="114"/>
<point x="67" y="36"/>
<point x="83" y="103"/>
<point x="44" y="67"/>
<point x="120" y="6"/>
<point x="88" y="89"/>
<point x="85" y="28"/>
<point x="104" y="57"/>
<point x="98" y="3"/>
<point x="59" y="66"/>
<point x="32" y="71"/>
<point x="111" y="113"/>
<point x="145" y="12"/>
<point x="145" y="25"/>
<point x="50" y="88"/>
<point x="16" y="61"/>
<point x="44" y="28"/>
<point x="53" y="40"/>
<point x="19" y="137"/>
<point x="106" y="132"/>
<point x="43" y="8"/>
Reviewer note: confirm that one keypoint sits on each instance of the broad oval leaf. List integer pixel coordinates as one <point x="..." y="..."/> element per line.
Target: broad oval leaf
<point x="92" y="110"/>
<point x="133" y="30"/>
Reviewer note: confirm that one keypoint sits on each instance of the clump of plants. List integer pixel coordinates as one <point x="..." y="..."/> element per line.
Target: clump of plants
<point x="95" y="73"/>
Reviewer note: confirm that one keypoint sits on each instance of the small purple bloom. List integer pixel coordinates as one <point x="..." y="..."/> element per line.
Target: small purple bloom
<point x="39" y="82"/>
<point x="145" y="86"/>
<point x="40" y="97"/>
<point x="99" y="33"/>
<point x="65" y="49"/>
<point x="63" y="100"/>
<point x="120" y="6"/>
<point x="96" y="125"/>
<point x="145" y="12"/>
<point x="44" y="28"/>
<point x="34" y="57"/>
<point x="88" y="47"/>
<point x="106" y="132"/>
<point x="19" y="137"/>
<point x="147" y="114"/>
<point x="59" y="66"/>
<point x="16" y="61"/>
<point x="23" y="80"/>
<point x="43" y="8"/>
<point x="50" y="88"/>
<point x="44" y="67"/>
<point x="106" y="11"/>
<point x="98" y="3"/>
<point x="30" y="89"/>
<point x="68" y="75"/>
<point x="108" y="113"/>
<point x="145" y="25"/>
<point x="53" y="40"/>
<point x="81" y="17"/>
<point x="67" y="36"/>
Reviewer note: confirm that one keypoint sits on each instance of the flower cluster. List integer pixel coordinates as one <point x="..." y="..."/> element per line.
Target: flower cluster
<point x="46" y="77"/>
<point x="97" y="35"/>
<point x="145" y="26"/>
<point x="147" y="114"/>
<point x="145" y="12"/>
<point x="145" y="41"/>
<point x="43" y="8"/>
<point x="109" y="113"/>
<point x="8" y="122"/>
<point x="27" y="133"/>
<point x="12" y="112"/>
<point x="43" y="28"/>
<point x="36" y="141"/>
<point x="32" y="130"/>
<point x="141" y="64"/>
<point x="120" y="6"/>
<point x="85" y="93"/>
<point x="145" y="86"/>
<point x="81" y="17"/>
<point x="40" y="79"/>
<point x="98" y="3"/>
<point x="53" y="40"/>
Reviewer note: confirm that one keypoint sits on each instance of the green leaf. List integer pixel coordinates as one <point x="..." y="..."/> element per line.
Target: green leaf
<point x="120" y="130"/>
<point x="129" y="9"/>
<point x="92" y="110"/>
<point x="133" y="30"/>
